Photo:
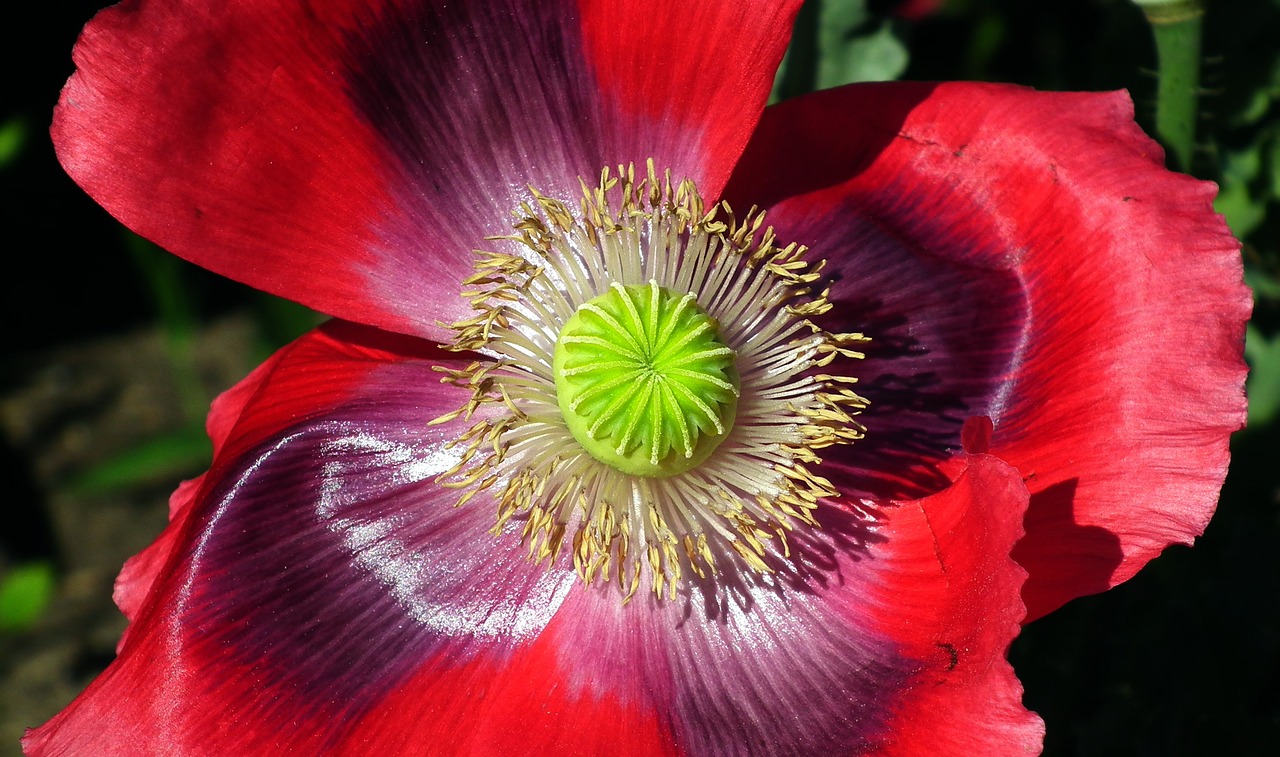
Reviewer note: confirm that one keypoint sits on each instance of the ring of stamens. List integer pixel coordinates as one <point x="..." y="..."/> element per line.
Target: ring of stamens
<point x="732" y="506"/>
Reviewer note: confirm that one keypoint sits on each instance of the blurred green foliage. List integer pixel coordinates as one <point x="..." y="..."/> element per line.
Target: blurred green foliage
<point x="839" y="43"/>
<point x="24" y="592"/>
<point x="13" y="135"/>
<point x="160" y="459"/>
<point x="1263" y="355"/>
<point x="185" y="451"/>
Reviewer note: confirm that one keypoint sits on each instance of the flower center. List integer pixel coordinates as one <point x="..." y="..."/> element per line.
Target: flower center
<point x="644" y="381"/>
<point x="649" y="387"/>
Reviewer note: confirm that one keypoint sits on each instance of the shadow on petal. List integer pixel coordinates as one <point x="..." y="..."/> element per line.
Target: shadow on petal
<point x="808" y="564"/>
<point x="1056" y="538"/>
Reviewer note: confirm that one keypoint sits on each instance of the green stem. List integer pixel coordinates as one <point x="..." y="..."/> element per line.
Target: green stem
<point x="179" y="321"/>
<point x="1177" y="28"/>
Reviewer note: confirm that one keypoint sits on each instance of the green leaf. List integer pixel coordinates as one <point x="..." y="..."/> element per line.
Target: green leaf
<point x="163" y="457"/>
<point x="875" y="55"/>
<point x="1257" y="108"/>
<point x="839" y="18"/>
<point x="1274" y="160"/>
<point x="837" y="42"/>
<point x="13" y="137"/>
<point x="1244" y="212"/>
<point x="24" y="593"/>
<point x="1263" y="286"/>
<point x="1264" y="376"/>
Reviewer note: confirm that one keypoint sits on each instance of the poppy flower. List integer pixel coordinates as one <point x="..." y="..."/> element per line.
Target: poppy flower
<point x="650" y="420"/>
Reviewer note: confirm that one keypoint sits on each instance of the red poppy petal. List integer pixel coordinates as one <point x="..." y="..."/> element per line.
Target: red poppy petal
<point x="140" y="571"/>
<point x="694" y="74"/>
<point x="351" y="158"/>
<point x="877" y="625"/>
<point x="1126" y="376"/>
<point x="314" y="383"/>
<point x="961" y="610"/>
<point x="945" y="323"/>
<point x="316" y="568"/>
<point x="514" y="704"/>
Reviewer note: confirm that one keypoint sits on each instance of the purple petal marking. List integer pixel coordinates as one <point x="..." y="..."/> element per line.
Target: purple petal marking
<point x="778" y="666"/>
<point x="331" y="562"/>
<point x="475" y="101"/>
<point x="946" y="331"/>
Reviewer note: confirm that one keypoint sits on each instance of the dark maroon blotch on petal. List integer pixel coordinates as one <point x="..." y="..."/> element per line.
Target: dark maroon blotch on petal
<point x="331" y="565"/>
<point x="944" y="334"/>
<point x="470" y="117"/>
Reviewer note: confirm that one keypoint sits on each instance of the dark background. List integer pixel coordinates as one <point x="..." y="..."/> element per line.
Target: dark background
<point x="1182" y="660"/>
